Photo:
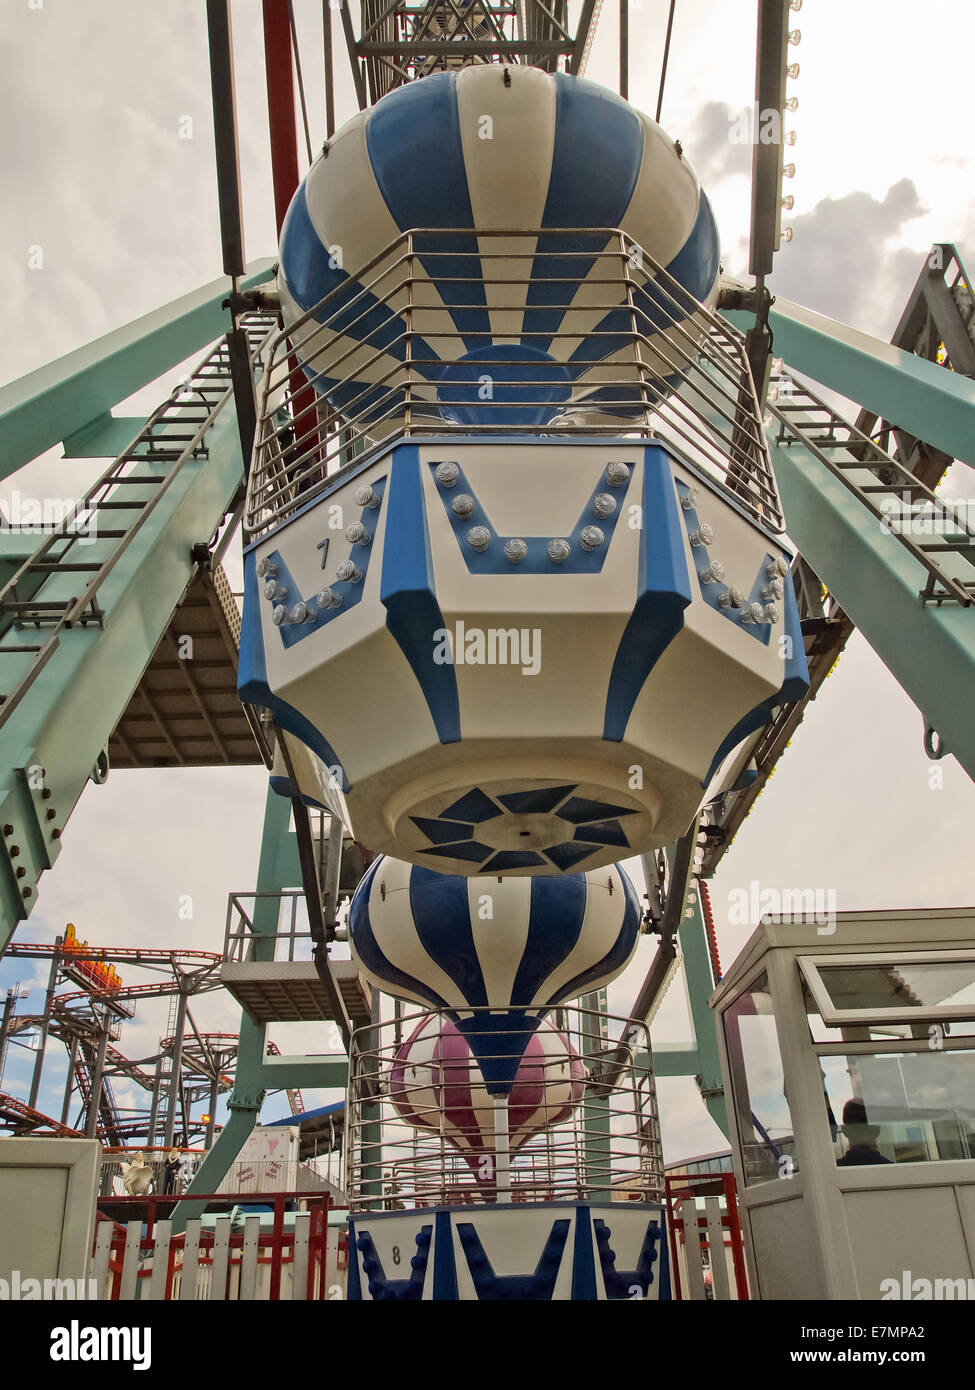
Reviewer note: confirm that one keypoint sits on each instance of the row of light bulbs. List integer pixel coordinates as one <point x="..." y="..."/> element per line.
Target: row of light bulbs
<point x="733" y="597"/>
<point x="558" y="550"/>
<point x="348" y="572"/>
<point x="791" y="104"/>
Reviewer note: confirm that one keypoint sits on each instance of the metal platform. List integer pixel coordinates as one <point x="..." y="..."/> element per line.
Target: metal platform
<point x="185" y="711"/>
<point x="286" y="991"/>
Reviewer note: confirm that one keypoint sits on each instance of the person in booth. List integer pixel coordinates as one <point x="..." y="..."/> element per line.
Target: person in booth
<point x="861" y="1136"/>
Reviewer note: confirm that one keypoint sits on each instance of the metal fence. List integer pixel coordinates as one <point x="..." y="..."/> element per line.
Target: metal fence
<point x="423" y="1130"/>
<point x="601" y="343"/>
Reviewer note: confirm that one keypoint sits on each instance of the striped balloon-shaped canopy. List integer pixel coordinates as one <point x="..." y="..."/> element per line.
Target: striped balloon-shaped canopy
<point x="500" y="171"/>
<point x="435" y="1084"/>
<point x="496" y="953"/>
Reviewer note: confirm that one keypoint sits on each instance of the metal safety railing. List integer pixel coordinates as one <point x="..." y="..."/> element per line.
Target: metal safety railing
<point x="422" y="1130"/>
<point x="505" y="333"/>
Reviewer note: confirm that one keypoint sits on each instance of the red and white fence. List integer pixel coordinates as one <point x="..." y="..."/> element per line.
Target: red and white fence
<point x="301" y="1258"/>
<point x="706" y="1248"/>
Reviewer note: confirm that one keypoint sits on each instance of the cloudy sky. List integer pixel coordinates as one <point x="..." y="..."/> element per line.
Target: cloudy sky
<point x="96" y="173"/>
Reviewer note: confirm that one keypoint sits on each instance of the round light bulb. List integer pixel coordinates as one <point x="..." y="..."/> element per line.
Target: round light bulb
<point x="773" y="589"/>
<point x="266" y="568"/>
<point x="356" y="534"/>
<point x="591" y="537"/>
<point x="617" y="474"/>
<point x="792" y="71"/>
<point x="779" y="565"/>
<point x="328" y="598"/>
<point x="753" y="613"/>
<point x="791" y="104"/>
<point x="771" y="613"/>
<point x="558" y="551"/>
<point x="795" y="37"/>
<point x="704" y="534"/>
<point x="712" y="573"/>
<point x="731" y="598"/>
<point x="788" y="202"/>
<point x="790" y="137"/>
<point x="690" y="499"/>
<point x="603" y="504"/>
<point x="789" y="171"/>
<point x="446" y="474"/>
<point x="462" y="505"/>
<point x="279" y="615"/>
<point x="273" y="590"/>
<point x="301" y="613"/>
<point x="365" y="497"/>
<point x="479" y="538"/>
<point x="348" y="573"/>
<point x="515" y="551"/>
<point x="787" y="234"/>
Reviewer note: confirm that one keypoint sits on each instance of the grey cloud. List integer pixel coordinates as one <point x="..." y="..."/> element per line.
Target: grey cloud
<point x="840" y="263"/>
<point x="714" y="155"/>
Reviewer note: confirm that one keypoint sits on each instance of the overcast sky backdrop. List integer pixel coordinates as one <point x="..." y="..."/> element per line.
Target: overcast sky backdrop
<point x="94" y="171"/>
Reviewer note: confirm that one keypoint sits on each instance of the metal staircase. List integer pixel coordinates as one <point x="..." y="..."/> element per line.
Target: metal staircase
<point x="58" y="587"/>
<point x="900" y="501"/>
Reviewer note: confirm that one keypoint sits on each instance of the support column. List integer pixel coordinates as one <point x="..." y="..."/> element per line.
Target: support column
<point x="212" y="1111"/>
<point x="596" y="1104"/>
<point x="12" y="996"/>
<point x="70" y="1081"/>
<point x="175" y="1077"/>
<point x="91" y="1119"/>
<point x="154" y="1107"/>
<point x="52" y="979"/>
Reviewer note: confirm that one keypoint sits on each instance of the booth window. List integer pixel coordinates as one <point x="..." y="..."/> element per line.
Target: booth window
<point x="895" y="1037"/>
<point x="758" y="1086"/>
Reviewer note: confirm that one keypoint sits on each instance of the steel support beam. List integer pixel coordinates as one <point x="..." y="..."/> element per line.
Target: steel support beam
<point x="935" y="405"/>
<point x="78" y="390"/>
<point x="49" y="744"/>
<point x="35" y="1085"/>
<point x="930" y="650"/>
<point x="176" y="1072"/>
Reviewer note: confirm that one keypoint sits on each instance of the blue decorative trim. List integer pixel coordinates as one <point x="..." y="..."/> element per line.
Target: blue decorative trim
<point x="618" y="954"/>
<point x="493" y="561"/>
<point x="292" y="633"/>
<point x="408" y="593"/>
<point x="498" y="1041"/>
<point x="252" y="686"/>
<point x="385" y="1290"/>
<point x="514" y="1288"/>
<point x="663" y="592"/>
<point x="283" y="786"/>
<point x="353" y="1283"/>
<point x="618" y="1283"/>
<point x="711" y="593"/>
<point x="793" y="687"/>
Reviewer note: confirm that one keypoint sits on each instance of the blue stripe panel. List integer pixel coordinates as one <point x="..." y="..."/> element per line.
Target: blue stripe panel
<point x="619" y="953"/>
<point x="663" y="592"/>
<point x="599" y="132"/>
<point x="407" y="592"/>
<point x="694" y="268"/>
<point x="444" y="1267"/>
<point x="252" y="686"/>
<point x="498" y="1041"/>
<point x="583" y="1264"/>
<point x="367" y="948"/>
<point x="558" y="906"/>
<point x="793" y="687"/>
<point x="441" y="918"/>
<point x="493" y="560"/>
<point x="400" y="133"/>
<point x="351" y="309"/>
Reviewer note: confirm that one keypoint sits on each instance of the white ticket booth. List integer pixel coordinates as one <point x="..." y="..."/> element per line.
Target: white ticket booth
<point x="848" y="1055"/>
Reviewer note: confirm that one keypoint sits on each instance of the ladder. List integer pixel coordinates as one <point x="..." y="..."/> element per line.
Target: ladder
<point x="901" y="501"/>
<point x="57" y="587"/>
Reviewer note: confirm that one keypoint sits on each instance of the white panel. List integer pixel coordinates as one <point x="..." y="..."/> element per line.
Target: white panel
<point x="513" y="1240"/>
<point x="915" y="1229"/>
<point x="719" y="1265"/>
<point x="221" y="1256"/>
<point x="248" y="1264"/>
<point x="600" y="929"/>
<point x="299" y="1269"/>
<point x="103" y="1250"/>
<point x="162" y="1237"/>
<point x="130" y="1261"/>
<point x="500" y="953"/>
<point x="191" y="1261"/>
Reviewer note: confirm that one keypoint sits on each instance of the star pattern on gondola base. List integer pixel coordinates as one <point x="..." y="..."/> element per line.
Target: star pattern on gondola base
<point x="575" y="827"/>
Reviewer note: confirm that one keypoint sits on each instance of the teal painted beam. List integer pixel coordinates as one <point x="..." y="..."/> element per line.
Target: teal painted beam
<point x="930" y="650"/>
<point x="323" y="1073"/>
<point x="105" y="438"/>
<point x="700" y="985"/>
<point x="673" y="1061"/>
<point x="41" y="409"/>
<point x="50" y="743"/>
<point x="931" y="402"/>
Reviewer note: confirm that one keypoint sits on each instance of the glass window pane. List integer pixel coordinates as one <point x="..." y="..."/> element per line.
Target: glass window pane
<point x="896" y="984"/>
<point x="764" y="1119"/>
<point x="908" y="1107"/>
